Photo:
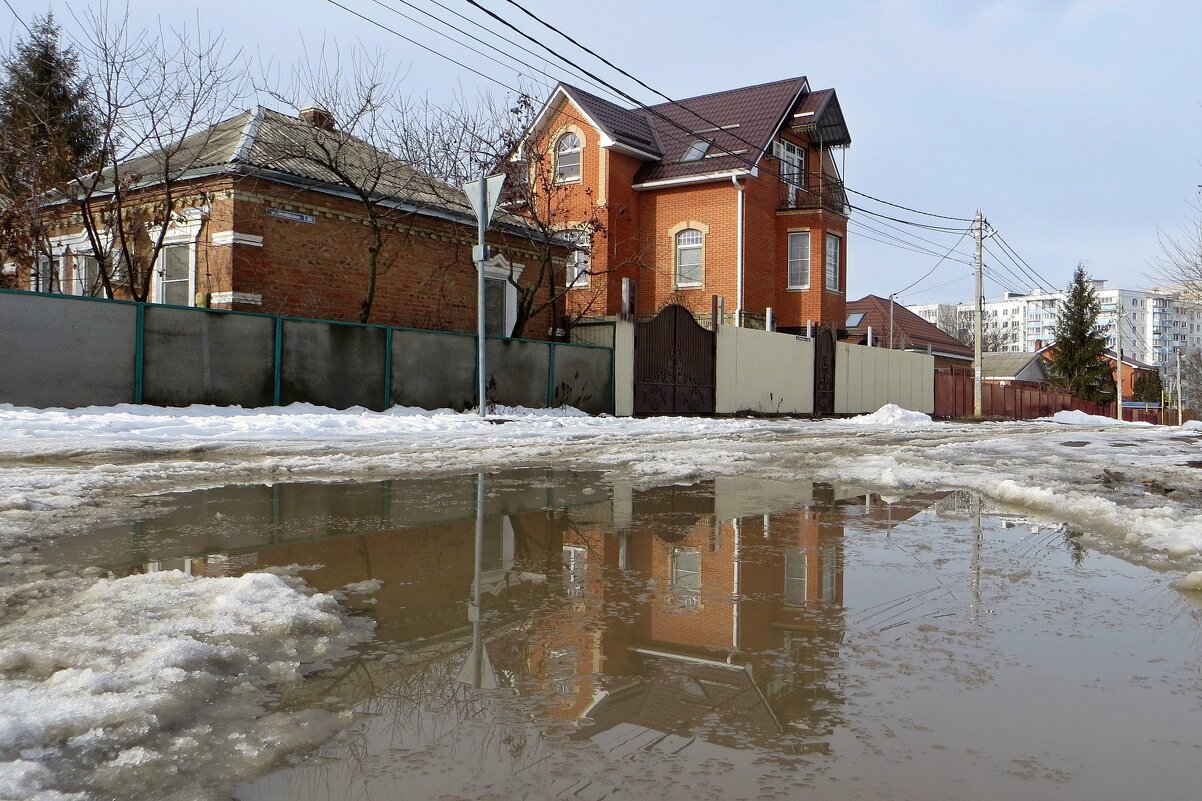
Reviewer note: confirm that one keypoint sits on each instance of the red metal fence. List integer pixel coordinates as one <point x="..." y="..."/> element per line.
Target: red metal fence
<point x="953" y="398"/>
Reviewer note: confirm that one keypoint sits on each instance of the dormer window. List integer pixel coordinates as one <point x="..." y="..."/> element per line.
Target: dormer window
<point x="567" y="158"/>
<point x="696" y="150"/>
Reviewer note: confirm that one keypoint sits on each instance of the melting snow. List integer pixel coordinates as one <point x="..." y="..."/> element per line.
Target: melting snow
<point x="892" y="415"/>
<point x="109" y="692"/>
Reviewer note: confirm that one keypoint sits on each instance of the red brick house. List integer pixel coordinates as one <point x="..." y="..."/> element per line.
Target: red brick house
<point x="735" y="194"/>
<point x="259" y="226"/>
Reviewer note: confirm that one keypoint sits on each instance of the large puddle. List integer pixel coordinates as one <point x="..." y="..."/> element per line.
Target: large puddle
<point x="734" y="638"/>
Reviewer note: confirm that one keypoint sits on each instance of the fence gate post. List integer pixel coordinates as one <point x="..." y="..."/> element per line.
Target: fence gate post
<point x="387" y="369"/>
<point x="139" y="349"/>
<point x="550" y="374"/>
<point x="279" y="358"/>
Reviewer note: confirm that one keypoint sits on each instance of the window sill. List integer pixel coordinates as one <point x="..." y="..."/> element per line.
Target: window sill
<point x="690" y="286"/>
<point x="797" y="289"/>
<point x="568" y="181"/>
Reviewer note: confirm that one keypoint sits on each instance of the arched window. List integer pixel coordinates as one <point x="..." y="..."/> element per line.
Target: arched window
<point x="567" y="158"/>
<point x="688" y="257"/>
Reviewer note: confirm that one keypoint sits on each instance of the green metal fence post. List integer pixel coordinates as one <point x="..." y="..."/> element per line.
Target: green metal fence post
<point x="139" y="349"/>
<point x="550" y="374"/>
<point x="387" y="369"/>
<point x="279" y="358"/>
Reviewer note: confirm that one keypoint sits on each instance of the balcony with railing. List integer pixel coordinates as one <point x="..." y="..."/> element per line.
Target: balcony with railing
<point x="812" y="191"/>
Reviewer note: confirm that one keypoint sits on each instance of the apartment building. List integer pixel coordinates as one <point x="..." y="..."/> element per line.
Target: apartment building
<point x="1155" y="322"/>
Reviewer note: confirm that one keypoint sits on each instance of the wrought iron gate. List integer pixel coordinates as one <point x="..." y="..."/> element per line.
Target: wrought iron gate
<point x="824" y="371"/>
<point x="673" y="365"/>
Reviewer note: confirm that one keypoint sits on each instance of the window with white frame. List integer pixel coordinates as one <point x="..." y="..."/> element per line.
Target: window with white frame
<point x="567" y="158"/>
<point x="688" y="257"/>
<point x="49" y="277"/>
<point x="175" y="275"/>
<point x="799" y="260"/>
<point x="575" y="570"/>
<point x="833" y="248"/>
<point x="686" y="575"/>
<point x="494" y="307"/>
<point x="796" y="565"/>
<point x="85" y="276"/>
<point x="579" y="259"/>
<point x="792" y="163"/>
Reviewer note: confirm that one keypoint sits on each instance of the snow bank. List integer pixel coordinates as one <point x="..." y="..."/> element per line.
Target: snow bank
<point x="1192" y="425"/>
<point x="111" y="692"/>
<point x="1078" y="418"/>
<point x="891" y="415"/>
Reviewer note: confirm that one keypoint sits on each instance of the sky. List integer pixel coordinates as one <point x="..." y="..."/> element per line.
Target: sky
<point x="1075" y="127"/>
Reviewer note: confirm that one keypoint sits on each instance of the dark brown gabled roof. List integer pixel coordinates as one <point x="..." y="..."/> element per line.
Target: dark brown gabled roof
<point x="739" y="125"/>
<point x="622" y="125"/>
<point x="910" y="332"/>
<point x="757" y="111"/>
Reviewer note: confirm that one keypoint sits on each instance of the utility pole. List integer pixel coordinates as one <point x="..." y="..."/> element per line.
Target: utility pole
<point x="978" y="229"/>
<point x="1118" y="342"/>
<point x="891" y="297"/>
<point x="1180" y="414"/>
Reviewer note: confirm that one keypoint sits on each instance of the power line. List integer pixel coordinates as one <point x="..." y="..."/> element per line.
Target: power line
<point x="606" y="61"/>
<point x="673" y="123"/>
<point x="941" y="260"/>
<point x="1021" y="264"/>
<point x="937" y="286"/>
<point x="898" y="242"/>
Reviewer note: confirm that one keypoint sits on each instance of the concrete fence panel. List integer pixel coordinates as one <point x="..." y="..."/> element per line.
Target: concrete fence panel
<point x="868" y="378"/>
<point x="338" y="366"/>
<point x="517" y="372"/>
<point x="197" y="356"/>
<point x="433" y="370"/>
<point x="62" y="351"/>
<point x="583" y="378"/>
<point x="764" y="372"/>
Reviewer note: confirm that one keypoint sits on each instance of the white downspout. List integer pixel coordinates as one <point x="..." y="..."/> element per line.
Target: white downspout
<point x="734" y="179"/>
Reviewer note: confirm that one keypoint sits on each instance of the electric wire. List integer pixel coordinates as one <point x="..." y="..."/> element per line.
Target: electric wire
<point x="675" y="103"/>
<point x="902" y="244"/>
<point x="1013" y="252"/>
<point x="504" y="85"/>
<point x="18" y="17"/>
<point x="936" y="266"/>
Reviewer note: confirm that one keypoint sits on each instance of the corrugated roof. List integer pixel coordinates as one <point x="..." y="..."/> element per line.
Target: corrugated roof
<point x="623" y="125"/>
<point x="279" y="146"/>
<point x="1006" y="365"/>
<point x="910" y="332"/>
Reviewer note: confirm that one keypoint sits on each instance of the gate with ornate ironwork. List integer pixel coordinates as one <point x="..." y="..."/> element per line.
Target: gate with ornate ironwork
<point x="673" y="365"/>
<point x="824" y="371"/>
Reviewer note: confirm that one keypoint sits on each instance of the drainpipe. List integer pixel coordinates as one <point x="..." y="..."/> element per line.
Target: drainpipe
<point x="734" y="179"/>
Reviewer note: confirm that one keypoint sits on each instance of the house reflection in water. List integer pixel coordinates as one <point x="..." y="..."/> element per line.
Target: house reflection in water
<point x="632" y="618"/>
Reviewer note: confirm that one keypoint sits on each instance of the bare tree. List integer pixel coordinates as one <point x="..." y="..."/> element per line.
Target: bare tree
<point x="1180" y="262"/>
<point x="961" y="325"/>
<point x="461" y="141"/>
<point x="355" y="144"/>
<point x="157" y="95"/>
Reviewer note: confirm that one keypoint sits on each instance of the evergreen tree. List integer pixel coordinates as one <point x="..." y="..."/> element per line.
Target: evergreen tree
<point x="50" y="128"/>
<point x="1147" y="388"/>
<point x="1079" y="366"/>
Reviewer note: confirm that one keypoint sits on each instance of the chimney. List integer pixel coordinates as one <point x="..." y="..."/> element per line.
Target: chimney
<point x="318" y="117"/>
<point x="1039" y="344"/>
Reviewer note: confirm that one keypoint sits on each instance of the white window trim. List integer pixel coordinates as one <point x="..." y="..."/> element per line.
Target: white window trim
<point x="582" y="278"/>
<point x="676" y="282"/>
<point x="184" y="230"/>
<point x="809" y="260"/>
<point x="556" y="153"/>
<point x="499" y="267"/>
<point x="826" y="259"/>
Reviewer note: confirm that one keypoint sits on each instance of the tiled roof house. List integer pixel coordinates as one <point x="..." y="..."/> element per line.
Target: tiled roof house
<point x="735" y="194"/>
<point x="262" y="227"/>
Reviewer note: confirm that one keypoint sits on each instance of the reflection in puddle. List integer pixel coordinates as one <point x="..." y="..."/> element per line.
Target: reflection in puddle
<point x="733" y="638"/>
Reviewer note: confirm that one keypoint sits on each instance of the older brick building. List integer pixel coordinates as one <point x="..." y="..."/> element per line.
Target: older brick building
<point x="735" y="194"/>
<point x="259" y="223"/>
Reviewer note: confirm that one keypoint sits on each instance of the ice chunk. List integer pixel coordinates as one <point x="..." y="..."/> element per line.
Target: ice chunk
<point x="107" y="691"/>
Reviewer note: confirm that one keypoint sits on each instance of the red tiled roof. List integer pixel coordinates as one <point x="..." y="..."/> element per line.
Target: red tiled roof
<point x="910" y="332"/>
